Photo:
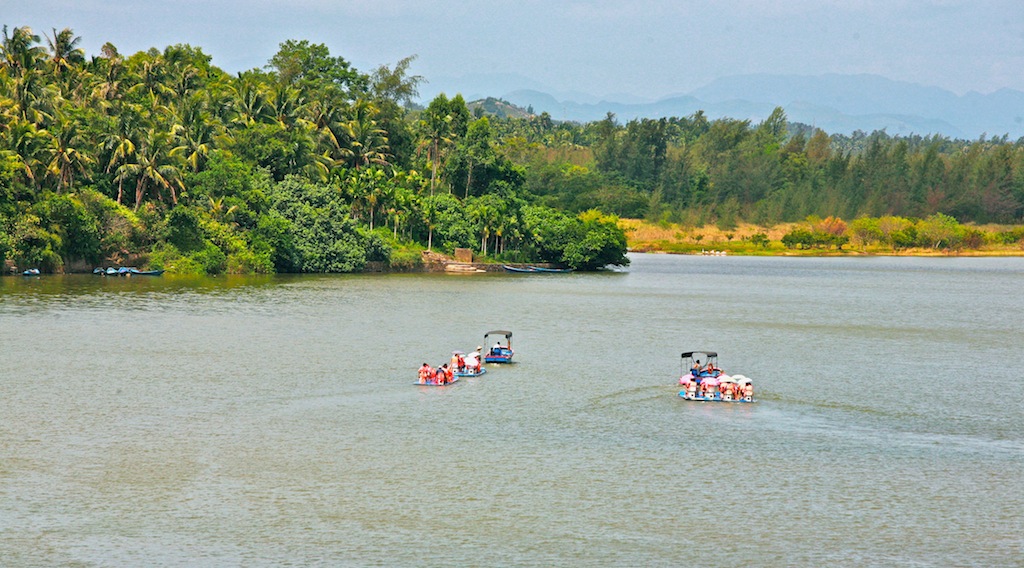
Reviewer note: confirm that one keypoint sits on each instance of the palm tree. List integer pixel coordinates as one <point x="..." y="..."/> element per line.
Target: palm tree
<point x="368" y="144"/>
<point x="437" y="134"/>
<point x="218" y="211"/>
<point x="20" y="57"/>
<point x="194" y="132"/>
<point x="65" y="158"/>
<point x="153" y="168"/>
<point x="109" y="69"/>
<point x="25" y="144"/>
<point x="121" y="143"/>
<point x="64" y="50"/>
<point x="249" y="101"/>
<point x="286" y="106"/>
<point x="19" y="52"/>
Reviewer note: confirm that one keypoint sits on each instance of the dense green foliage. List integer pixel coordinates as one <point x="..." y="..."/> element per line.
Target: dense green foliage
<point x="695" y="171"/>
<point x="306" y="165"/>
<point x="309" y="165"/>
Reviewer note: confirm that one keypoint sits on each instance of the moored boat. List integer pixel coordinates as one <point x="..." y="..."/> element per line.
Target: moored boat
<point x="551" y="270"/>
<point x="518" y="269"/>
<point x="707" y="382"/>
<point x="31" y="272"/>
<point x="534" y="269"/>
<point x="136" y="272"/>
<point x="126" y="271"/>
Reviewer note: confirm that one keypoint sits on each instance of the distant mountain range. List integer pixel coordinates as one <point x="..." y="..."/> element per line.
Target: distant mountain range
<point x="835" y="103"/>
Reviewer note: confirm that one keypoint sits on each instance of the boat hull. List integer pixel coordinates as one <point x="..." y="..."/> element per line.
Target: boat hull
<point x="470" y="373"/>
<point x="717" y="398"/>
<point x="454" y="380"/>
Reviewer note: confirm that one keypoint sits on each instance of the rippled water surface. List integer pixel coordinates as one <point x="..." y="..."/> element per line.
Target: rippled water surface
<point x="273" y="421"/>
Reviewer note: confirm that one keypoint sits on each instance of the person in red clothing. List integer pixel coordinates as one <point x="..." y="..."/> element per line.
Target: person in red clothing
<point x="425" y="373"/>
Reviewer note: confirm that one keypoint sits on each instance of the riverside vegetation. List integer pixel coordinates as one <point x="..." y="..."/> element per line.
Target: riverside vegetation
<point x="163" y="160"/>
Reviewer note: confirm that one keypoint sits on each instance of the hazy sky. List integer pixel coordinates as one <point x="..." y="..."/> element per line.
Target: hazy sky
<point x="648" y="48"/>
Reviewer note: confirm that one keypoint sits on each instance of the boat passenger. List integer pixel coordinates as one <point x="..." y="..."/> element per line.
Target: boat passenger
<point x="454" y="363"/>
<point x="472" y="362"/>
<point x="449" y="373"/>
<point x="748" y="392"/>
<point x="440" y="376"/>
<point x="425" y="373"/>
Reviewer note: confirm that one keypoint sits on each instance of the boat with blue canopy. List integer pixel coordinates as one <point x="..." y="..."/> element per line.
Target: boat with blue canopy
<point x="499" y="353"/>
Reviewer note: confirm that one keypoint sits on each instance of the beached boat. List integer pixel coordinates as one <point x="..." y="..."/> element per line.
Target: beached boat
<point x="707" y="382"/>
<point x="551" y="270"/>
<point x="534" y="269"/>
<point x="499" y="353"/>
<point x="31" y="272"/>
<point x="518" y="269"/>
<point x="126" y="271"/>
<point x="135" y="272"/>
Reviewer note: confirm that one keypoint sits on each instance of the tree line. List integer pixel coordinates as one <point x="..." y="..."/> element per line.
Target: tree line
<point x="305" y="165"/>
<point x="695" y="171"/>
<point x="309" y="165"/>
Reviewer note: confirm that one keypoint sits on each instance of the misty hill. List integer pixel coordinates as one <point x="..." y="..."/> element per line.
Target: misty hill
<point x="497" y="107"/>
<point x="834" y="103"/>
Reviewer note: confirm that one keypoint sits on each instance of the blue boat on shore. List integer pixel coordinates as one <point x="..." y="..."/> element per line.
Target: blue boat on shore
<point x="534" y="269"/>
<point x="125" y="271"/>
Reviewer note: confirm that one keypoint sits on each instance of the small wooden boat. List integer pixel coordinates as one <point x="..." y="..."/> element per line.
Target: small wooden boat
<point x="519" y="269"/>
<point x="534" y="269"/>
<point x="552" y="270"/>
<point x="126" y="271"/>
<point x="31" y="272"/>
<point x="135" y="272"/>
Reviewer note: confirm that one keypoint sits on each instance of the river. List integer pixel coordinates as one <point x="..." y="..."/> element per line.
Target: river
<point x="272" y="421"/>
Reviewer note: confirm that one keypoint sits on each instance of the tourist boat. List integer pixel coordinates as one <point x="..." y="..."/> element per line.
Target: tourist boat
<point x="705" y="381"/>
<point x="471" y="364"/>
<point x="499" y="353"/>
<point x="428" y="376"/>
<point x="433" y="383"/>
<point x="467" y="372"/>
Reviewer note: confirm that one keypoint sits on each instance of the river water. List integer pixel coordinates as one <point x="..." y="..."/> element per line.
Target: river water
<point x="272" y="421"/>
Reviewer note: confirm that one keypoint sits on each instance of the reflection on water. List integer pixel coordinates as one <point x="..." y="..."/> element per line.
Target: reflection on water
<point x="272" y="420"/>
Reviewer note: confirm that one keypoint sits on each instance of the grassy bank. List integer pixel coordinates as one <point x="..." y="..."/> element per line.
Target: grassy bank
<point x="756" y="240"/>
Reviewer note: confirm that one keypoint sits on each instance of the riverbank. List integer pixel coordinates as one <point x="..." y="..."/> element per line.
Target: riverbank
<point x="748" y="239"/>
